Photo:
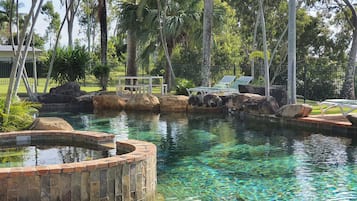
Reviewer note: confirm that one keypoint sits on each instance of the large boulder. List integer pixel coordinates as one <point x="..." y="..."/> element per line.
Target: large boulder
<point x="69" y="89"/>
<point x="108" y="102"/>
<point x="212" y="100"/>
<point x="252" y="104"/>
<point x="261" y="105"/>
<point x="143" y="102"/>
<point x="278" y="92"/>
<point x="195" y="100"/>
<point x="173" y="103"/>
<point x="50" y="123"/>
<point x="235" y="102"/>
<point x="66" y="93"/>
<point x="294" y="111"/>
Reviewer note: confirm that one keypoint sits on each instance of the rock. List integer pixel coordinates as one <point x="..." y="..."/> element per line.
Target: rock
<point x="261" y="105"/>
<point x="294" y="111"/>
<point x="50" y="123"/>
<point x="66" y="93"/>
<point x="352" y="119"/>
<point x="88" y="98"/>
<point x="195" y="100"/>
<point x="278" y="92"/>
<point x="57" y="98"/>
<point x="69" y="89"/>
<point x="212" y="100"/>
<point x="108" y="102"/>
<point x="143" y="102"/>
<point x="173" y="103"/>
<point x="236" y="102"/>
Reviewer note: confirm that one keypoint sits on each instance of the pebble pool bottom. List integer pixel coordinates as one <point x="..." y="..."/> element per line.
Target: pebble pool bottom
<point x="218" y="157"/>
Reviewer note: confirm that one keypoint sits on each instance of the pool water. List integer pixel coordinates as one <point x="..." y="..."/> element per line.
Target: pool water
<point x="214" y="157"/>
<point x="36" y="155"/>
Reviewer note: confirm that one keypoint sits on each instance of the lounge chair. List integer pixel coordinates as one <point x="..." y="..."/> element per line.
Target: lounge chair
<point x="342" y="104"/>
<point x="227" y="85"/>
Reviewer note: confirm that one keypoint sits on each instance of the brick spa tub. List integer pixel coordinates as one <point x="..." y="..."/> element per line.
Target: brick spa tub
<point x="130" y="174"/>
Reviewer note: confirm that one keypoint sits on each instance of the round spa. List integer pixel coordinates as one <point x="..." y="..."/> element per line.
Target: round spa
<point x="128" y="173"/>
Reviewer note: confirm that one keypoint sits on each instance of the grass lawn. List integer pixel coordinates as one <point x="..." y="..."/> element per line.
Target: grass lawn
<point x="316" y="108"/>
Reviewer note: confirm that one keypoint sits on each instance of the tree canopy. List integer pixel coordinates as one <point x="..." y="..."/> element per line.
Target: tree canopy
<point x="161" y="37"/>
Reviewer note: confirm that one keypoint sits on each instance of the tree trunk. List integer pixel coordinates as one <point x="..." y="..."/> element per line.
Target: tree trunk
<point x="103" y="39"/>
<point x="54" y="52"/>
<point x="207" y="41"/>
<point x="131" y="49"/>
<point x="252" y="68"/>
<point x="292" y="53"/>
<point x="103" y="31"/>
<point x="14" y="67"/>
<point x="266" y="65"/>
<point x="168" y="68"/>
<point x="348" y="88"/>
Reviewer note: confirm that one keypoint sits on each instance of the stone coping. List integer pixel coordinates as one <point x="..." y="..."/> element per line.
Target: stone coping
<point x="136" y="151"/>
<point x="331" y="124"/>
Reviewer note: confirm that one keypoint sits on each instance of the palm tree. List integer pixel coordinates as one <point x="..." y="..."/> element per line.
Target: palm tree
<point x="129" y="23"/>
<point x="207" y="41"/>
<point x="179" y="19"/>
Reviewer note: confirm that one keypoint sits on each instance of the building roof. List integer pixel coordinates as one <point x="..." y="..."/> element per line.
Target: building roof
<point x="8" y="48"/>
<point x="7" y="55"/>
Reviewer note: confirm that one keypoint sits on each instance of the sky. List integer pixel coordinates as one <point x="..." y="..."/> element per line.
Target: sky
<point x="41" y="24"/>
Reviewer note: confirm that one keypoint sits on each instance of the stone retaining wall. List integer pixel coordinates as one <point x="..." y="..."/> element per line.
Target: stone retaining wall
<point x="130" y="176"/>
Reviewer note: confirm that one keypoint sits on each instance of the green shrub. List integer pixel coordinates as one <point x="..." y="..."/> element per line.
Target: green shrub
<point x="21" y="115"/>
<point x="101" y="72"/>
<point x="182" y="84"/>
<point x="69" y="65"/>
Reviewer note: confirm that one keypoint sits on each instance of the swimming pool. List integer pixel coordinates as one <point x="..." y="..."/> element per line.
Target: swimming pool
<point x="218" y="157"/>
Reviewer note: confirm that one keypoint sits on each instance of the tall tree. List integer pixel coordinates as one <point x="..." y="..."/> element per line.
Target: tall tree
<point x="102" y="15"/>
<point x="176" y="20"/>
<point x="130" y="24"/>
<point x="292" y="53"/>
<point x="347" y="7"/>
<point x="207" y="41"/>
<point x="20" y="57"/>
<point x="54" y="51"/>
<point x="88" y="20"/>
<point x="53" y="18"/>
<point x="72" y="7"/>
<point x="348" y="88"/>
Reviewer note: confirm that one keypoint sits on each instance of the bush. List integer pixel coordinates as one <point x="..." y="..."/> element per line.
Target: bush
<point x="70" y="64"/>
<point x="21" y="115"/>
<point x="182" y="85"/>
<point x="101" y="72"/>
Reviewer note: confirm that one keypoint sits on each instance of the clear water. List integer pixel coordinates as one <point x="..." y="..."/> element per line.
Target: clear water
<point x="35" y="155"/>
<point x="224" y="158"/>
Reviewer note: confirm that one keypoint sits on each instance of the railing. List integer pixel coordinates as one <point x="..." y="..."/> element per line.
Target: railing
<point x="140" y="84"/>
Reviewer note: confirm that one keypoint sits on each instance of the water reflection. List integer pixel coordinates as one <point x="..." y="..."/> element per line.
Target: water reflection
<point x="36" y="155"/>
<point x="321" y="166"/>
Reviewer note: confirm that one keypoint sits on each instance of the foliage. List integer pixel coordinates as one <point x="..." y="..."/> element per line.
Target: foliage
<point x="69" y="65"/>
<point x="20" y="116"/>
<point x="182" y="85"/>
<point x="101" y="72"/>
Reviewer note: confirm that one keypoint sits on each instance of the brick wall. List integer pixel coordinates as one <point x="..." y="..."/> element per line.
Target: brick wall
<point x="130" y="176"/>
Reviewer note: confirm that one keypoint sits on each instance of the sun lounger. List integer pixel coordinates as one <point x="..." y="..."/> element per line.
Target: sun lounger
<point x="227" y="85"/>
<point x="342" y="104"/>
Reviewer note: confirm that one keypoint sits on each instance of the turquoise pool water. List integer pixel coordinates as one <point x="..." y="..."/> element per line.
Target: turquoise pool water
<point x="224" y="158"/>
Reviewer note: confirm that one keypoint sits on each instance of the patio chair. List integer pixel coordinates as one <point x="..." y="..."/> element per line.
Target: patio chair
<point x="342" y="104"/>
<point x="228" y="84"/>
